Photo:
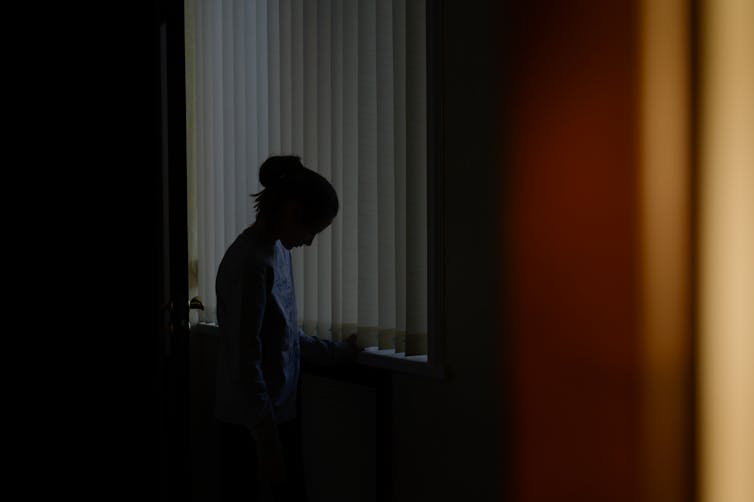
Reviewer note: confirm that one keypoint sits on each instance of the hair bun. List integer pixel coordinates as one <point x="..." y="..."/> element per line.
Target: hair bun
<point x="284" y="177"/>
<point x="277" y="169"/>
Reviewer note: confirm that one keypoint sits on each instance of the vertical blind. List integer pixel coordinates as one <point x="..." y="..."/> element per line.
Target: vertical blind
<point x="342" y="84"/>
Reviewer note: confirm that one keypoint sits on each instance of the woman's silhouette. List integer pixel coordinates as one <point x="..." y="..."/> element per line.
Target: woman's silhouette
<point x="261" y="344"/>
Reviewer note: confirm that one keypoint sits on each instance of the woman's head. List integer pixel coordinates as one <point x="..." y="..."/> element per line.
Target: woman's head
<point x="296" y="201"/>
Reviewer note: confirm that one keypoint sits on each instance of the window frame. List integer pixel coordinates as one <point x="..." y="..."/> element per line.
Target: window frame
<point x="434" y="366"/>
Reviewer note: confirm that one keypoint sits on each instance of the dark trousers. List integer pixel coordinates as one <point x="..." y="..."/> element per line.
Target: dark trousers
<point x="238" y="466"/>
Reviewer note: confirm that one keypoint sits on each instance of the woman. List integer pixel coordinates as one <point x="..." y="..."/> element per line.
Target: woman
<point x="261" y="344"/>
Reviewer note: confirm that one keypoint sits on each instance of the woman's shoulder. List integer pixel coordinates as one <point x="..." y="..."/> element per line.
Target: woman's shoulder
<point x="247" y="253"/>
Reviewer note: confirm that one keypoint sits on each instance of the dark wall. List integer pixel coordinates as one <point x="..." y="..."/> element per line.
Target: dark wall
<point x="541" y="247"/>
<point x="571" y="203"/>
<point x="447" y="431"/>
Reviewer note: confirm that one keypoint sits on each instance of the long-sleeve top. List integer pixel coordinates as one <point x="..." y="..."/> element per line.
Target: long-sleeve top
<point x="261" y="343"/>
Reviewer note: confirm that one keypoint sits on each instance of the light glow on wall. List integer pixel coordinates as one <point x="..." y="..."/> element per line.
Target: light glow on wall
<point x="726" y="259"/>
<point x="664" y="193"/>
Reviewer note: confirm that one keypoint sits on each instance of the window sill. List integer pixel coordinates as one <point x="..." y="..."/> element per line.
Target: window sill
<point x="371" y="357"/>
<point x="389" y="360"/>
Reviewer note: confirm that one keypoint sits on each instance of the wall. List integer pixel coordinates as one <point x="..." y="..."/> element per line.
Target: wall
<point x="541" y="241"/>
<point x="572" y="204"/>
<point x="446" y="432"/>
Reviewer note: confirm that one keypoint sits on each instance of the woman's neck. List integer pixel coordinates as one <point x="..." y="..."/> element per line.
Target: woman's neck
<point x="264" y="230"/>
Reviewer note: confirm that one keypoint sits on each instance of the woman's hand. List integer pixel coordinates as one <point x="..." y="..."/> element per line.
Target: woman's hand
<point x="348" y="349"/>
<point x="352" y="341"/>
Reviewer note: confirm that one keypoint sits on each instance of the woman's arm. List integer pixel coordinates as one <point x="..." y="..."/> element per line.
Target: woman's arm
<point x="322" y="351"/>
<point x="263" y="429"/>
<point x="253" y="302"/>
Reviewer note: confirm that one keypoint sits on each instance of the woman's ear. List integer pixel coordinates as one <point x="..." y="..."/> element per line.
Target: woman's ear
<point x="297" y="211"/>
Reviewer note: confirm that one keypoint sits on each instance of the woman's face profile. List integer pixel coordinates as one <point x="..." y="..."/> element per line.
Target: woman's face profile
<point x="296" y="230"/>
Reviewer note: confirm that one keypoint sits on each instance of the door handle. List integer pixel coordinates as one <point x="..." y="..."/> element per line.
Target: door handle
<point x="196" y="304"/>
<point x="177" y="320"/>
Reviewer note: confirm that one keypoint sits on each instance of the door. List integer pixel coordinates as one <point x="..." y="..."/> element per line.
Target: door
<point x="173" y="347"/>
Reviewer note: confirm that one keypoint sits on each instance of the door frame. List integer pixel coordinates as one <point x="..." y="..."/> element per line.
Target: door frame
<point x="173" y="349"/>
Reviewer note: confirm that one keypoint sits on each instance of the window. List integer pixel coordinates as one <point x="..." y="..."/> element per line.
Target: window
<point x="343" y="84"/>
